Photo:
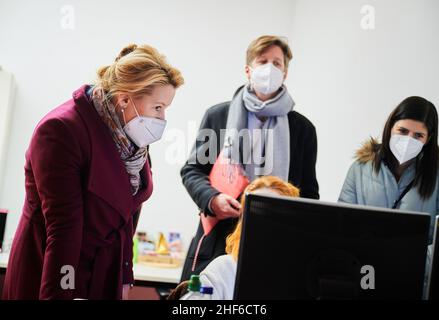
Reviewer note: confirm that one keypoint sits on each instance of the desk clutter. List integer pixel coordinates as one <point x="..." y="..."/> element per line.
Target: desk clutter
<point x="158" y="250"/>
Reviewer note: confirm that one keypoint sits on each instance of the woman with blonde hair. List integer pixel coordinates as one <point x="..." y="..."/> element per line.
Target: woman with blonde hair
<point x="87" y="174"/>
<point x="220" y="274"/>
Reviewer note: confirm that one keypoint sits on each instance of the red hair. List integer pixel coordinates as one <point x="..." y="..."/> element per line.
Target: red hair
<point x="273" y="183"/>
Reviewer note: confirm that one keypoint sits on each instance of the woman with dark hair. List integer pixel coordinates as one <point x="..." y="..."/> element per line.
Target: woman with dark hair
<point x="402" y="171"/>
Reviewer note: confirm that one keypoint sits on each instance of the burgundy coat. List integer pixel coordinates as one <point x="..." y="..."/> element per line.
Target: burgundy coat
<point x="78" y="210"/>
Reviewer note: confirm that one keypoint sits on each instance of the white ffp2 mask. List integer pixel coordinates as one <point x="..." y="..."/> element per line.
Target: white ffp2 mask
<point x="144" y="130"/>
<point x="266" y="78"/>
<point x="405" y="148"/>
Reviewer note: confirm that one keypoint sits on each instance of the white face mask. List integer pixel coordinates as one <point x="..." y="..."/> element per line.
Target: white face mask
<point x="144" y="130"/>
<point x="405" y="148"/>
<point x="266" y="78"/>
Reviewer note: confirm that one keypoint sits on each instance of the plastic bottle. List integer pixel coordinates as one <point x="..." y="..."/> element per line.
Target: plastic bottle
<point x="206" y="293"/>
<point x="193" y="289"/>
<point x="135" y="249"/>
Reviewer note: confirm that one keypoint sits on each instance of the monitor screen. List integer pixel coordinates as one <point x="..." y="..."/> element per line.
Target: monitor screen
<point x="433" y="288"/>
<point x="2" y="226"/>
<point x="295" y="248"/>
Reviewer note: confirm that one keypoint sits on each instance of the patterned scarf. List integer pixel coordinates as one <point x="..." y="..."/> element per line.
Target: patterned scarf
<point x="276" y="141"/>
<point x="134" y="158"/>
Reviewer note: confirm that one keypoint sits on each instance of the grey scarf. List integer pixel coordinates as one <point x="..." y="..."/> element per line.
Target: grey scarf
<point x="134" y="158"/>
<point x="274" y="138"/>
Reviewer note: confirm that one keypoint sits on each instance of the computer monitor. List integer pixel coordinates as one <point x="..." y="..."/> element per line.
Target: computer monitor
<point x="2" y="226"/>
<point x="295" y="248"/>
<point x="433" y="285"/>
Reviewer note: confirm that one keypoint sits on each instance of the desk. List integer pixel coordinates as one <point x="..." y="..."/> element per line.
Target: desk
<point x="143" y="275"/>
<point x="154" y="276"/>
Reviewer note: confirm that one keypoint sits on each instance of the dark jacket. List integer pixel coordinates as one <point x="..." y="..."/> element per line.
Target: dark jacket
<point x="78" y="211"/>
<point x="303" y="151"/>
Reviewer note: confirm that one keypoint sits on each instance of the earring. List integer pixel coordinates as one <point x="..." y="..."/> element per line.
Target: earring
<point x="123" y="114"/>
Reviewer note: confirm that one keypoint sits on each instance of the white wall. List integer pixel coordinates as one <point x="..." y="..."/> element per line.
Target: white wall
<point x="6" y="101"/>
<point x="345" y="79"/>
<point x="205" y="39"/>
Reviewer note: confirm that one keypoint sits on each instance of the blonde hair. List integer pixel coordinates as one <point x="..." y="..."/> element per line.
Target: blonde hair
<point x="273" y="183"/>
<point x="261" y="44"/>
<point x="137" y="70"/>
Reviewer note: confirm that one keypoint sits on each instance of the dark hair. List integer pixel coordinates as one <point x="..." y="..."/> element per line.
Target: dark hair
<point x="418" y="109"/>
